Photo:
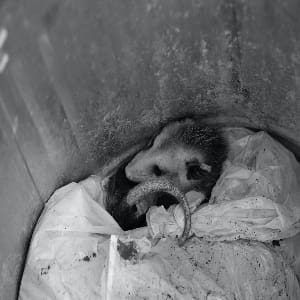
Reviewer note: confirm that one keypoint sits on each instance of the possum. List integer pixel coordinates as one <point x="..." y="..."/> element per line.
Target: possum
<point x="187" y="152"/>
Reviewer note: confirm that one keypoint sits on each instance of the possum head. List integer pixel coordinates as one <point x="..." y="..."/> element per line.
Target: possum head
<point x="187" y="152"/>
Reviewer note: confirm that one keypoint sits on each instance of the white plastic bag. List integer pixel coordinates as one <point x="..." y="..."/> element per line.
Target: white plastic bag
<point x="67" y="253"/>
<point x="201" y="270"/>
<point x="257" y="165"/>
<point x="74" y="251"/>
<point x="164" y="272"/>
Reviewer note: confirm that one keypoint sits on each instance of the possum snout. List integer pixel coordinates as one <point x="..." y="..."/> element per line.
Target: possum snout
<point x="186" y="152"/>
<point x="143" y="167"/>
<point x="172" y="164"/>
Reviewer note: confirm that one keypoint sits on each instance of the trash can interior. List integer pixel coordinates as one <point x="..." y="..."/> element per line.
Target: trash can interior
<point x="84" y="81"/>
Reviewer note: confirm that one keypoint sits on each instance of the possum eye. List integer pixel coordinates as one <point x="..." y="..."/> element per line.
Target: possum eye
<point x="150" y="142"/>
<point x="194" y="172"/>
<point x="157" y="170"/>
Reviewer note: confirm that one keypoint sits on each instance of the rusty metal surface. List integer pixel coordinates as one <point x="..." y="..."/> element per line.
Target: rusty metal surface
<point x="87" y="79"/>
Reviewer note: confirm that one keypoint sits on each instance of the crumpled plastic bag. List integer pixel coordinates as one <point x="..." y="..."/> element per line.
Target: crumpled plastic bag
<point x="253" y="218"/>
<point x="257" y="165"/>
<point x="290" y="249"/>
<point x="165" y="271"/>
<point x="69" y="246"/>
<point x="74" y="254"/>
<point x="245" y="269"/>
<point x="200" y="270"/>
<point x="257" y="196"/>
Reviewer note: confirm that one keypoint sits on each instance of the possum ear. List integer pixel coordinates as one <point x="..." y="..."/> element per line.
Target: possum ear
<point x="194" y="171"/>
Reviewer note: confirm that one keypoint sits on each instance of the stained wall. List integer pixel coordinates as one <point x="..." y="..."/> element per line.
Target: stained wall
<point x="87" y="79"/>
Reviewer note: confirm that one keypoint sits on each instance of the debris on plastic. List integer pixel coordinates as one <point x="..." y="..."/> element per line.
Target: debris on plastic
<point x="200" y="270"/>
<point x="291" y="250"/>
<point x="78" y="251"/>
<point x="258" y="166"/>
<point x="165" y="272"/>
<point x="69" y="246"/>
<point x="253" y="218"/>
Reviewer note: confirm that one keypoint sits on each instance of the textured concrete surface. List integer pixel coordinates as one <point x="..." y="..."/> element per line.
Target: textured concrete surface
<point x="87" y="79"/>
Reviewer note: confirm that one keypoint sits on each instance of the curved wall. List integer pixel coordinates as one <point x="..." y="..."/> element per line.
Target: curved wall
<point x="86" y="79"/>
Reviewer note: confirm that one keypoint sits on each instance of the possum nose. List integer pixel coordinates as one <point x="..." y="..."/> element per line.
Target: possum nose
<point x="137" y="172"/>
<point x="157" y="171"/>
<point x="133" y="168"/>
<point x="130" y="171"/>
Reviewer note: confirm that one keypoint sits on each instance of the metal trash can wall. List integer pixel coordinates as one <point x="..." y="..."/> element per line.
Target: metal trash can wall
<point x="84" y="79"/>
